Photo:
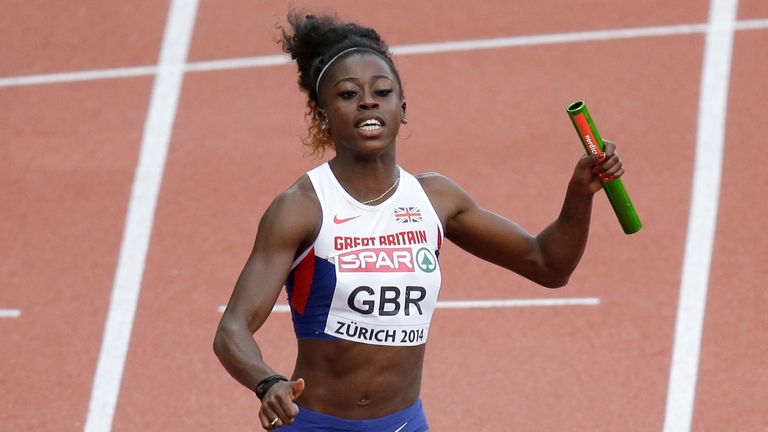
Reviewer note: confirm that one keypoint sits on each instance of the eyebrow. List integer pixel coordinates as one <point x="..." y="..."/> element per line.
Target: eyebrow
<point x="357" y="80"/>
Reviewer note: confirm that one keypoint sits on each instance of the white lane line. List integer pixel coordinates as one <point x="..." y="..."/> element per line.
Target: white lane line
<point x="574" y="37"/>
<point x="546" y="39"/>
<point x="239" y="63"/>
<point x="87" y="75"/>
<point x="10" y="313"/>
<point x="428" y="48"/>
<point x="702" y="219"/>
<point x="485" y="304"/>
<point x="140" y="216"/>
<point x="509" y="303"/>
<point x="755" y="24"/>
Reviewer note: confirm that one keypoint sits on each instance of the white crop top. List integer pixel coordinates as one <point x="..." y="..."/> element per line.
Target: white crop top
<point x="372" y="276"/>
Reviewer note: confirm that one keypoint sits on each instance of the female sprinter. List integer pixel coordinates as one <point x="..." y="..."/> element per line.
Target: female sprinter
<point x="355" y="241"/>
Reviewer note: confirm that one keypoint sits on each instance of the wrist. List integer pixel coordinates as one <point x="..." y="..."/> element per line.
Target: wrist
<point x="264" y="385"/>
<point x="580" y="190"/>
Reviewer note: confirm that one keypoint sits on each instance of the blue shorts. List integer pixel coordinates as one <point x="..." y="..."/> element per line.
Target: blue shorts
<point x="411" y="419"/>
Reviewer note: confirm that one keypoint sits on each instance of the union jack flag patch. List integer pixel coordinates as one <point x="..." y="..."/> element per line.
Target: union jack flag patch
<point x="407" y="214"/>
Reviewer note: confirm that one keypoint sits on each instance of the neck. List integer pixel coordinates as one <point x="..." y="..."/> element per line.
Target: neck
<point x="365" y="180"/>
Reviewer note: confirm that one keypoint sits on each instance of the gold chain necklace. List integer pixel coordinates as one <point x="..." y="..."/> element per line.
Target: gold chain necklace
<point x="385" y="192"/>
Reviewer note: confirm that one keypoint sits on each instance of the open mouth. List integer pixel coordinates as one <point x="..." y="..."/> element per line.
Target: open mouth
<point x="370" y="125"/>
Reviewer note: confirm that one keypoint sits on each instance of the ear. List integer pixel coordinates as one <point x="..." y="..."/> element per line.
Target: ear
<point x="403" y="119"/>
<point x="323" y="118"/>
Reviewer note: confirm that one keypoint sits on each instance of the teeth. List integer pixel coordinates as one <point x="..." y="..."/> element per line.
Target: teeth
<point x="370" y="125"/>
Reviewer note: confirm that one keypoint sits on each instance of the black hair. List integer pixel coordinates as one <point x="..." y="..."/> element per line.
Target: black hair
<point x="313" y="41"/>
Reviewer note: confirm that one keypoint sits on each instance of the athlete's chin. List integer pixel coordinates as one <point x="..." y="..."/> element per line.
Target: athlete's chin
<point x="377" y="146"/>
<point x="372" y="147"/>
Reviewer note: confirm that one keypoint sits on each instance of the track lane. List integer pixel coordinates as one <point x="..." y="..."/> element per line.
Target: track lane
<point x="51" y="36"/>
<point x="65" y="169"/>
<point x="238" y="28"/>
<point x="732" y="378"/>
<point x="217" y="184"/>
<point x="753" y="9"/>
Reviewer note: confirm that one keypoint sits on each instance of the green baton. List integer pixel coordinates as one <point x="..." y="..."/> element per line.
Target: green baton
<point x="593" y="143"/>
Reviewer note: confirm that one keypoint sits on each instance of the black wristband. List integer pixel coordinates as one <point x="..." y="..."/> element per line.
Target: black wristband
<point x="264" y="385"/>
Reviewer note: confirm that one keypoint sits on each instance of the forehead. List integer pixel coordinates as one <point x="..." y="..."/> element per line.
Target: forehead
<point x="362" y="66"/>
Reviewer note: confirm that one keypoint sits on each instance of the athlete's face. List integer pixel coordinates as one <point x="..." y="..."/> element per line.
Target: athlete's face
<point x="363" y="104"/>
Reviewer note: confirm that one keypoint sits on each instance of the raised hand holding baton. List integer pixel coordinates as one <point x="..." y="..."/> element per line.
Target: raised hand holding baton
<point x="593" y="143"/>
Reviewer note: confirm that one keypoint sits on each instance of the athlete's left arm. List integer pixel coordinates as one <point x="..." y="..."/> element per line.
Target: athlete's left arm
<point x="548" y="258"/>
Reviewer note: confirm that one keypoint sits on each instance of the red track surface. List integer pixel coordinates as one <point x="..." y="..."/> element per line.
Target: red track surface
<point x="494" y="120"/>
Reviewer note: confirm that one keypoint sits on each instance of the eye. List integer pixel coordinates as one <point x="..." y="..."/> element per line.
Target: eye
<point x="383" y="92"/>
<point x="347" y="94"/>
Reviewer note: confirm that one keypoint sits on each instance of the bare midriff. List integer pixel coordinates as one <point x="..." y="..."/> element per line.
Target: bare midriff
<point x="358" y="381"/>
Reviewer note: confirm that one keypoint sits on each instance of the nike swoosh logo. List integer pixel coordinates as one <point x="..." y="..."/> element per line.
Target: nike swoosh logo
<point x="337" y="221"/>
<point x="401" y="427"/>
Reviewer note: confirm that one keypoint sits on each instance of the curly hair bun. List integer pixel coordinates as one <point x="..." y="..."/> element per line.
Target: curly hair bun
<point x="313" y="41"/>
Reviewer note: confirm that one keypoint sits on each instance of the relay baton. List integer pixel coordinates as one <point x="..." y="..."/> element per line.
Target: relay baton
<point x="593" y="143"/>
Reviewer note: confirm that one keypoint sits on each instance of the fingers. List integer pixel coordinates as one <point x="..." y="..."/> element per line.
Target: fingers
<point x="594" y="170"/>
<point x="608" y="166"/>
<point x="268" y="424"/>
<point x="297" y="388"/>
<point x="277" y="406"/>
<point x="272" y="415"/>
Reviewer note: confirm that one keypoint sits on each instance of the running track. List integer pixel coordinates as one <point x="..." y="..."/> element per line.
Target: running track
<point x="141" y="141"/>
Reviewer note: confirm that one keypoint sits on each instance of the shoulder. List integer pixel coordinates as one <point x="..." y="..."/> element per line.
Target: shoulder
<point x="302" y="192"/>
<point x="299" y="196"/>
<point x="440" y="186"/>
<point x="432" y="180"/>
<point x="296" y="211"/>
<point x="448" y="198"/>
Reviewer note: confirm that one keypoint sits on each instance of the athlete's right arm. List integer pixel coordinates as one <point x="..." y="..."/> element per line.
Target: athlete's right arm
<point x="290" y="224"/>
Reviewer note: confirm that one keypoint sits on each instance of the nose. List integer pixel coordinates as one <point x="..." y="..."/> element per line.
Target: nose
<point x="367" y="102"/>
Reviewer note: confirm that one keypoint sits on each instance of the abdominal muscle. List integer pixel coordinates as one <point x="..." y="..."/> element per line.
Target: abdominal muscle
<point x="358" y="381"/>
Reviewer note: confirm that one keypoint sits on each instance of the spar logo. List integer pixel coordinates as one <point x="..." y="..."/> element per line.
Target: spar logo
<point x="426" y="261"/>
<point x="377" y="260"/>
